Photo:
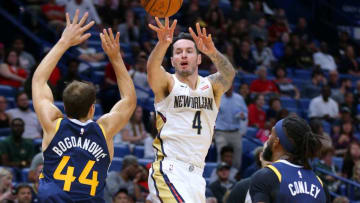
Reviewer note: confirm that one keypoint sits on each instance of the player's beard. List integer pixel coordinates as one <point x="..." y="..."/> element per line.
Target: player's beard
<point x="267" y="154"/>
<point x="185" y="73"/>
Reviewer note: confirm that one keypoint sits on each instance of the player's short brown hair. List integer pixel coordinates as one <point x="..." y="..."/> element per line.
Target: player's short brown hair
<point x="78" y="98"/>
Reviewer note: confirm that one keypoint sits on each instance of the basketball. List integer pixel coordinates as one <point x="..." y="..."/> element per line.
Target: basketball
<point x="161" y="8"/>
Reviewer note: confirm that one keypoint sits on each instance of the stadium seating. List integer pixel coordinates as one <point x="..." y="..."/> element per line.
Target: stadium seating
<point x="139" y="151"/>
<point x="7" y="91"/>
<point x="209" y="167"/>
<point x="121" y="150"/>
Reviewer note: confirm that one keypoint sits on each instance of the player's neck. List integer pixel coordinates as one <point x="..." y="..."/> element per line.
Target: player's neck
<point x="190" y="80"/>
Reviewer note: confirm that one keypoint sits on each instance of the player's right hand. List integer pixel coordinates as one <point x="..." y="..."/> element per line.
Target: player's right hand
<point x="165" y="32"/>
<point x="74" y="31"/>
<point x="110" y="44"/>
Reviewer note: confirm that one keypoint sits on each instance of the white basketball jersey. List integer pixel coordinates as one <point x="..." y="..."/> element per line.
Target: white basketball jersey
<point x="185" y="122"/>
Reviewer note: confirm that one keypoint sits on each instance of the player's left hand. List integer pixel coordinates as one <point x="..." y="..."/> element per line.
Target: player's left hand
<point x="110" y="44"/>
<point x="74" y="31"/>
<point x="203" y="41"/>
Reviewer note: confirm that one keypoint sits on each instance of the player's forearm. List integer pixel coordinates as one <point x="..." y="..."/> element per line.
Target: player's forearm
<point x="155" y="59"/>
<point x="48" y="64"/>
<point x="225" y="68"/>
<point x="123" y="79"/>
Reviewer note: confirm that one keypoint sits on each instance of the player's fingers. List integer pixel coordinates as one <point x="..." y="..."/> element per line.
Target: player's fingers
<point x="173" y="25"/>
<point x="106" y="36"/>
<point x="83" y="19"/>
<point x="192" y="33"/>
<point x="209" y="38"/>
<point x="111" y="35"/>
<point x="117" y="39"/>
<point x="156" y="29"/>
<point x="198" y="30"/>
<point x="67" y="19"/>
<point x="204" y="31"/>
<point x="87" y="26"/>
<point x="85" y="37"/>
<point x="158" y="22"/>
<point x="167" y="22"/>
<point x="76" y="16"/>
<point x="103" y="41"/>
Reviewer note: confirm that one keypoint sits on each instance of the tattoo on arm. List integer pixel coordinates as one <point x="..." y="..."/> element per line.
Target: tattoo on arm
<point x="226" y="71"/>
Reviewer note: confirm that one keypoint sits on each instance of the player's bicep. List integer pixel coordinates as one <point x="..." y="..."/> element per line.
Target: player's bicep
<point x="262" y="186"/>
<point x="219" y="83"/>
<point x="158" y="79"/>
<point x="45" y="109"/>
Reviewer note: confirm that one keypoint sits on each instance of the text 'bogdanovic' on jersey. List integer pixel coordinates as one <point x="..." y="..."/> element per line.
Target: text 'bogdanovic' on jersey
<point x="75" y="163"/>
<point x="185" y="122"/>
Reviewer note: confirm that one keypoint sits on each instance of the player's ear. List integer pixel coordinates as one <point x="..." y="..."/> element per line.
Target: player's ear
<point x="198" y="57"/>
<point x="172" y="63"/>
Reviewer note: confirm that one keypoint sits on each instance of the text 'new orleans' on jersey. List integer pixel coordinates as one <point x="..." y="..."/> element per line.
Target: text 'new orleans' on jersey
<point x="185" y="121"/>
<point x="76" y="162"/>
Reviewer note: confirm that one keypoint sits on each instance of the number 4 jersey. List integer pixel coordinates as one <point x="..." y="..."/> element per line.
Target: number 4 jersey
<point x="75" y="163"/>
<point x="185" y="122"/>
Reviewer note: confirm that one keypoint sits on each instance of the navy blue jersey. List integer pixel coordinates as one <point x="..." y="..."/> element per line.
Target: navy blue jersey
<point x="285" y="182"/>
<point x="75" y="163"/>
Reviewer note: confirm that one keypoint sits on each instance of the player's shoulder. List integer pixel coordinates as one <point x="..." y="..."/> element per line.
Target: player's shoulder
<point x="264" y="175"/>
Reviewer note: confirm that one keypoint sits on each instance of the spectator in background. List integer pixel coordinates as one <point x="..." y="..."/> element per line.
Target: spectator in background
<point x="256" y="12"/>
<point x="245" y="61"/>
<point x="289" y="58"/>
<point x="349" y="64"/>
<point x="302" y="29"/>
<point x="263" y="55"/>
<point x="339" y="94"/>
<point x="245" y="93"/>
<point x="6" y="188"/>
<point x="223" y="184"/>
<point x="274" y="110"/>
<point x="259" y="30"/>
<point x="26" y="60"/>
<point x="350" y="103"/>
<point x="11" y="73"/>
<point x="346" y="136"/>
<point x="313" y="89"/>
<point x="352" y="156"/>
<point x="238" y="10"/>
<point x="123" y="179"/>
<point x="55" y="14"/>
<point x="33" y="129"/>
<point x="284" y="84"/>
<point x="334" y="82"/>
<point x="122" y="196"/>
<point x="108" y="10"/>
<point x="2" y="52"/>
<point x="130" y="30"/>
<point x="231" y="124"/>
<point x="304" y="55"/>
<point x="23" y="193"/>
<point x="35" y="185"/>
<point x="134" y="132"/>
<point x="341" y="199"/>
<point x="15" y="150"/>
<point x="323" y="106"/>
<point x="257" y="116"/>
<point x="279" y="46"/>
<point x="4" y="117"/>
<point x="262" y="84"/>
<point x="89" y="55"/>
<point x="71" y="75"/>
<point x="317" y="128"/>
<point x="37" y="160"/>
<point x="323" y="59"/>
<point x="83" y="6"/>
<point x="278" y="27"/>
<point x="327" y="164"/>
<point x="355" y="191"/>
<point x="226" y="156"/>
<point x="139" y="76"/>
<point x="192" y="13"/>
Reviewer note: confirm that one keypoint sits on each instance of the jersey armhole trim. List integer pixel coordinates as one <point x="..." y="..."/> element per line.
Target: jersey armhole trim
<point x="102" y="130"/>
<point x="320" y="181"/>
<point x="58" y="125"/>
<point x="276" y="171"/>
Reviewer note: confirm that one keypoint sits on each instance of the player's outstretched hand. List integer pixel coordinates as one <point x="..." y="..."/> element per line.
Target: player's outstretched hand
<point x="74" y="31"/>
<point x="203" y="41"/>
<point x="110" y="44"/>
<point x="165" y="32"/>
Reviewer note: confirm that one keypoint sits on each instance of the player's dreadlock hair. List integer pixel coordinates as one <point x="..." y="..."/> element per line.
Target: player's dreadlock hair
<point x="306" y="144"/>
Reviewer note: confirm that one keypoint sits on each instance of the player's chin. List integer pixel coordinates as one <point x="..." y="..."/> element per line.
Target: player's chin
<point x="184" y="72"/>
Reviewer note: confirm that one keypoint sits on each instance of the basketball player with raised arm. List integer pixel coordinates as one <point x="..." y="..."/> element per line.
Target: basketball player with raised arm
<point x="186" y="106"/>
<point x="78" y="151"/>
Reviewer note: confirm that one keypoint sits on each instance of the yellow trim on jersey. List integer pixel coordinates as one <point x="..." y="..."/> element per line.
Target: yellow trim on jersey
<point x="102" y="130"/>
<point x="276" y="171"/>
<point x="58" y="124"/>
<point x="159" y="122"/>
<point x="157" y="146"/>
<point x="160" y="184"/>
<point x="41" y="175"/>
<point x="320" y="181"/>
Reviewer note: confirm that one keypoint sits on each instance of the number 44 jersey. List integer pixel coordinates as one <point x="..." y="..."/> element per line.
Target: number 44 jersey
<point x="75" y="163"/>
<point x="185" y="122"/>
